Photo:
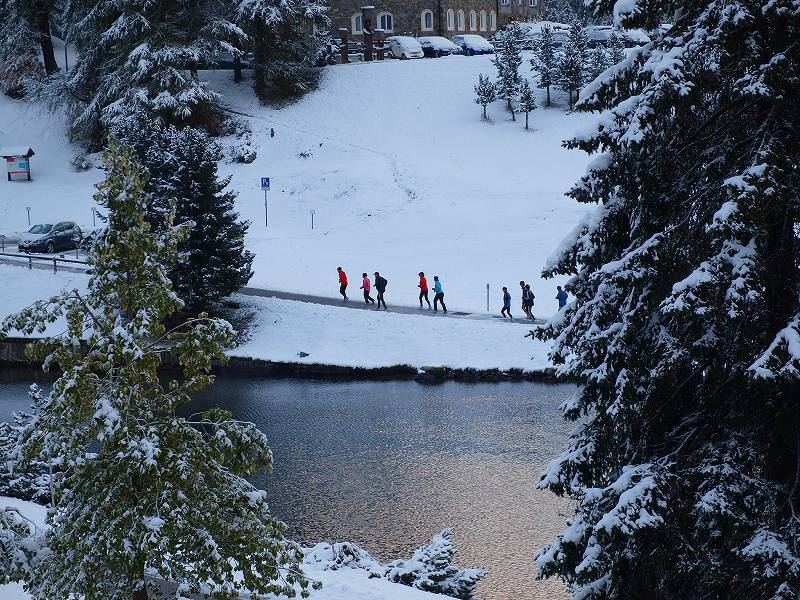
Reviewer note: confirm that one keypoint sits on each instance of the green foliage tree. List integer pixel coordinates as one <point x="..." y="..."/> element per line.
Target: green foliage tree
<point x="143" y="492"/>
<point x="527" y="100"/>
<point x="685" y="330"/>
<point x="485" y="93"/>
<point x="545" y="60"/>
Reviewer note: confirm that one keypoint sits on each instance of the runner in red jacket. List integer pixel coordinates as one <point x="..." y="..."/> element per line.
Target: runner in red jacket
<point x="342" y="284"/>
<point x="423" y="289"/>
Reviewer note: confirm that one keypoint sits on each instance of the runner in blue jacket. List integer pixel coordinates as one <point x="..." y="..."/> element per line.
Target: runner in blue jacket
<point x="506" y="304"/>
<point x="438" y="294"/>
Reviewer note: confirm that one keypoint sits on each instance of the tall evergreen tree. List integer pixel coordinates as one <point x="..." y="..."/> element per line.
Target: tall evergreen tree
<point x="685" y="332"/>
<point x="144" y="56"/>
<point x="485" y="93"/>
<point x="572" y="65"/>
<point x="615" y="48"/>
<point x="284" y="51"/>
<point x="143" y="492"/>
<point x="545" y="60"/>
<point x="19" y="50"/>
<point x="527" y="100"/>
<point x="597" y="62"/>
<point x="182" y="176"/>
<point x="507" y="63"/>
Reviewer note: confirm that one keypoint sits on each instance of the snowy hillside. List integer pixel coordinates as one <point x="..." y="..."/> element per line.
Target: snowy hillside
<point x="395" y="161"/>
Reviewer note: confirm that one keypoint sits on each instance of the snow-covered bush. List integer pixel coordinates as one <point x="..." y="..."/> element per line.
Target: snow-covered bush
<point x="430" y="568"/>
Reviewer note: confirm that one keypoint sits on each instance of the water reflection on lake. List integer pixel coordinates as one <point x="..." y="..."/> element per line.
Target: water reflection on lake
<point x="388" y="464"/>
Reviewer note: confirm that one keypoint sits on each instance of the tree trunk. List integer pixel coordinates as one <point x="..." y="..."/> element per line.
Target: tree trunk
<point x="484" y="112"/>
<point x="43" y="25"/>
<point x="237" y="68"/>
<point x="141" y="593"/>
<point x="548" y="95"/>
<point x="513" y="116"/>
<point x="526" y="120"/>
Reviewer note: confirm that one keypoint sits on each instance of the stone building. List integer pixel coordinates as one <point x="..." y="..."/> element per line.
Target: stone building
<point x="433" y="17"/>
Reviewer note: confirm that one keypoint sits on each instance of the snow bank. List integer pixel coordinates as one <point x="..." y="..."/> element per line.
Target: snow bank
<point x="278" y="330"/>
<point x="339" y="584"/>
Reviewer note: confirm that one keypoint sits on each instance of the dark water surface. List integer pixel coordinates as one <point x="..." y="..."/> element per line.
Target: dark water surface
<point x="388" y="464"/>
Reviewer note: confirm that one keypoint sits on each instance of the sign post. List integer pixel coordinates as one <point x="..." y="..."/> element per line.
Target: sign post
<point x="487" y="297"/>
<point x="265" y="187"/>
<point x="28" y="208"/>
<point x="312" y="218"/>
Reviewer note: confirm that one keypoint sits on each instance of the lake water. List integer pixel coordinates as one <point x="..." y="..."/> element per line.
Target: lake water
<point x="389" y="464"/>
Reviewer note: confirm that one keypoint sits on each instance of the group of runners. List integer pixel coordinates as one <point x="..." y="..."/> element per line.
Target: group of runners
<point x="380" y="288"/>
<point x="438" y="293"/>
<point x="527" y="301"/>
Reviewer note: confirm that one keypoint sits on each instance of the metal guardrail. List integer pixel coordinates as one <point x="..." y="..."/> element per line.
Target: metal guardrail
<point x="54" y="259"/>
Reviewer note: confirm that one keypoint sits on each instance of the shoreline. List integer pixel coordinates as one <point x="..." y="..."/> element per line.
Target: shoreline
<point x="12" y="354"/>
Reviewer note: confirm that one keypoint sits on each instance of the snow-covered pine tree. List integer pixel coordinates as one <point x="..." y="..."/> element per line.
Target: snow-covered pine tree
<point x="615" y="48"/>
<point x="597" y="62"/>
<point x="484" y="93"/>
<point x="563" y="11"/>
<point x="144" y="56"/>
<point x="527" y="100"/>
<point x="431" y="568"/>
<point x="685" y="331"/>
<point x="285" y="52"/>
<point x="144" y="492"/>
<point x="21" y="477"/>
<point x="572" y="63"/>
<point x="545" y="60"/>
<point x="507" y="63"/>
<point x="182" y="168"/>
<point x="19" y="49"/>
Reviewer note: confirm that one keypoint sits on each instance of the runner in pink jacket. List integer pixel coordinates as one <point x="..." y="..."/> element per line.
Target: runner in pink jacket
<point x="366" y="285"/>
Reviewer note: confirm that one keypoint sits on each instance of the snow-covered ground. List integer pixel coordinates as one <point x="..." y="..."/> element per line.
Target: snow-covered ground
<point x="392" y="156"/>
<point x="341" y="584"/>
<point x="280" y="329"/>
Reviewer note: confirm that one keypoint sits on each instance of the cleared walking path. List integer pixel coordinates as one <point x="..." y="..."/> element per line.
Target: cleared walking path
<point x="353" y="303"/>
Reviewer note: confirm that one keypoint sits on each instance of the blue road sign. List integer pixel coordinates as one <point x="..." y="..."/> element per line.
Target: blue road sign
<point x="265" y="183"/>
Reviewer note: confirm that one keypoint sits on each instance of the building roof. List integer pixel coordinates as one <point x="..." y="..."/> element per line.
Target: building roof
<point x="11" y="151"/>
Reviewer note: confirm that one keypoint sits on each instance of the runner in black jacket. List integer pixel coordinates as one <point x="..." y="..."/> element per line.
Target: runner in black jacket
<point x="380" y="287"/>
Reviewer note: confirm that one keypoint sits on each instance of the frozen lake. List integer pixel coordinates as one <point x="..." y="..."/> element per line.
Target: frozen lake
<point x="388" y="464"/>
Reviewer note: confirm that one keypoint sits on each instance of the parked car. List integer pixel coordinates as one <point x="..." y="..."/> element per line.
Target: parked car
<point x="50" y="238"/>
<point x="403" y="47"/>
<point x="435" y="46"/>
<point x="473" y="44"/>
<point x="599" y="35"/>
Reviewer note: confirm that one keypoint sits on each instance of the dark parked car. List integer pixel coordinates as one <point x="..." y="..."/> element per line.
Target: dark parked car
<point x="435" y="46"/>
<point x="50" y="238"/>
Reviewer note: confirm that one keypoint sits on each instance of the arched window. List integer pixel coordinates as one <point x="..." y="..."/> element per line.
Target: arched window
<point x="427" y="20"/>
<point x="482" y="20"/>
<point x="460" y="20"/>
<point x="492" y="21"/>
<point x="386" y="21"/>
<point x="473" y="21"/>
<point x="355" y="22"/>
<point x="451" y="19"/>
